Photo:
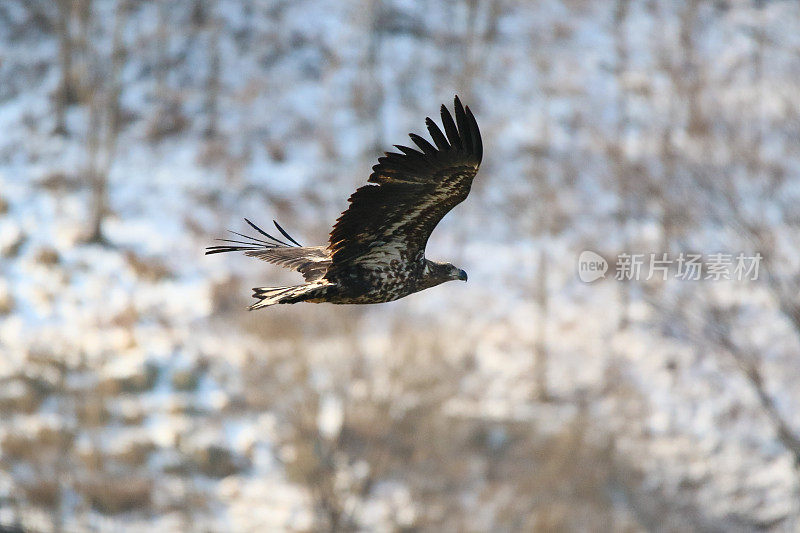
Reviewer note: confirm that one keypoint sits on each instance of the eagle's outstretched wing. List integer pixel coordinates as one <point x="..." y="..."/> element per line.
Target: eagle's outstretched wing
<point x="311" y="261"/>
<point x="413" y="190"/>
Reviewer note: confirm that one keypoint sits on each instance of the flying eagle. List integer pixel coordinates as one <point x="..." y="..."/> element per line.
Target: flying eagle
<point x="376" y="251"/>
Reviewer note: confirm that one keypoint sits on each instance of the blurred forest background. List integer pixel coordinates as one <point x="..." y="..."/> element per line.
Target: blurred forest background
<point x="137" y="392"/>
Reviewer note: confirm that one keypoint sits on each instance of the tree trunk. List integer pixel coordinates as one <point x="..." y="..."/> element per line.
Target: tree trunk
<point x="66" y="94"/>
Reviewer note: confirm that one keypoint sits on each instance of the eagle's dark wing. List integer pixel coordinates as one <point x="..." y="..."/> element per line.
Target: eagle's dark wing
<point x="413" y="190"/>
<point x="311" y="261"/>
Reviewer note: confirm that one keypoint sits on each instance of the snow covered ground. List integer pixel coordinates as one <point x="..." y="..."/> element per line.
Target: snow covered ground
<point x="136" y="390"/>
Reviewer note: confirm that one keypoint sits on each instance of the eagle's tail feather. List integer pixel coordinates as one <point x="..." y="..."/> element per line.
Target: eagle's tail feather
<point x="283" y="295"/>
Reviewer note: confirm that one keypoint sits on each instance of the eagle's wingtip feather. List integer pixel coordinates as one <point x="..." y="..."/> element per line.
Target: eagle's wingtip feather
<point x="284" y="233"/>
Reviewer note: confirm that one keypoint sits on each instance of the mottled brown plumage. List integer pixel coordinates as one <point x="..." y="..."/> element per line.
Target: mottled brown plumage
<point x="376" y="250"/>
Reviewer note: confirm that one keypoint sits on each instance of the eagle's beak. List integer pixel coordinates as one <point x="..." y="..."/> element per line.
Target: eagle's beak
<point x="462" y="275"/>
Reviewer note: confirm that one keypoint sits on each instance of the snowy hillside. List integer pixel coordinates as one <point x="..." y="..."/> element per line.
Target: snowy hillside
<point x="137" y="392"/>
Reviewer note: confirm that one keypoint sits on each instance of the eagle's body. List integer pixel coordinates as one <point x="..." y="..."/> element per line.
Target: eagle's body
<point x="376" y="251"/>
<point x="385" y="282"/>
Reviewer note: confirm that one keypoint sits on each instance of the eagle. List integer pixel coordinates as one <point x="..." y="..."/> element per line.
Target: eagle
<point x="376" y="250"/>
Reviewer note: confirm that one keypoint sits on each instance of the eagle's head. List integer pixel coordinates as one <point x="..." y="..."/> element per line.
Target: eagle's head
<point x="436" y="273"/>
